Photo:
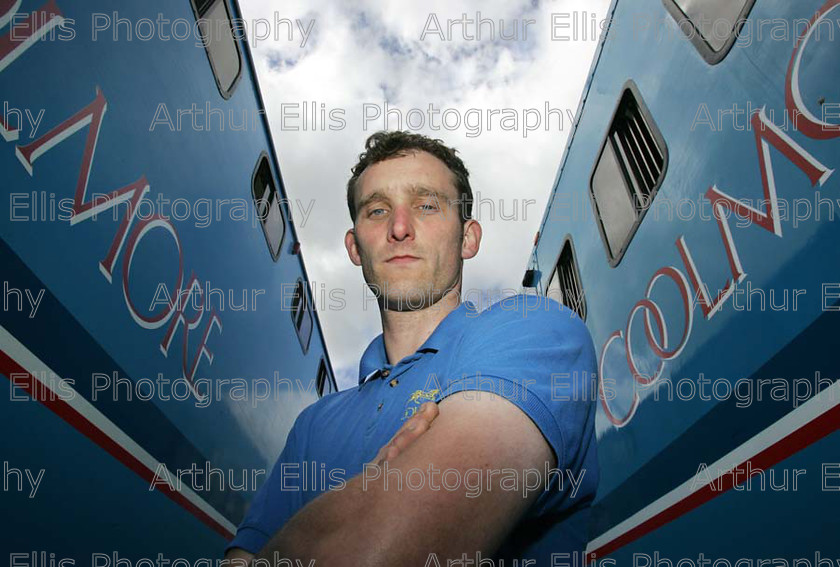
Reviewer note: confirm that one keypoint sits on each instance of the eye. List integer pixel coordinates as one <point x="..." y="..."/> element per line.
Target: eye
<point x="376" y="212"/>
<point x="429" y="206"/>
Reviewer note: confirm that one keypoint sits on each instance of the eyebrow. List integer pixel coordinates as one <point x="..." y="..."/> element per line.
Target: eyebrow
<point x="421" y="191"/>
<point x="375" y="196"/>
<point x="416" y="191"/>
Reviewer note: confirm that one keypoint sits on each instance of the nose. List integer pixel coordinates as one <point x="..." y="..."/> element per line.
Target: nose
<point x="401" y="226"/>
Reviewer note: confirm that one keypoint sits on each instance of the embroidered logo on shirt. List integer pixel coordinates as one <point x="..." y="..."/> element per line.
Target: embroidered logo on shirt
<point x="417" y="399"/>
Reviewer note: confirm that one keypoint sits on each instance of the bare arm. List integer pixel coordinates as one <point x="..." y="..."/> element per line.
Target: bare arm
<point x="402" y="439"/>
<point x="237" y="557"/>
<point x="367" y="524"/>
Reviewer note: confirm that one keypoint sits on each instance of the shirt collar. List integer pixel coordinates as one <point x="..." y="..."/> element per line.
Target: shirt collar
<point x="375" y="358"/>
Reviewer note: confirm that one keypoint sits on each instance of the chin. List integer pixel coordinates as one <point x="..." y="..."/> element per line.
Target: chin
<point x="397" y="297"/>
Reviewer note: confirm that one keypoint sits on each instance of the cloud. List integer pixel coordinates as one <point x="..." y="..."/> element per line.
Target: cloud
<point x="369" y="56"/>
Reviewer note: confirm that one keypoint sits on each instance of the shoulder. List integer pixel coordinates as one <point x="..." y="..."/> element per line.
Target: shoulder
<point x="524" y="317"/>
<point x="525" y="336"/>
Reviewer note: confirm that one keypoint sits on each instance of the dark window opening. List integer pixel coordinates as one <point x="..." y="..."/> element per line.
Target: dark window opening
<point x="267" y="201"/>
<point x="323" y="381"/>
<point x="565" y="284"/>
<point x="302" y="315"/>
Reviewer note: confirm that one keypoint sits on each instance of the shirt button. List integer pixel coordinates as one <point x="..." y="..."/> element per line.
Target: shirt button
<point x="379" y="407"/>
<point x="394" y="382"/>
<point x="386" y="373"/>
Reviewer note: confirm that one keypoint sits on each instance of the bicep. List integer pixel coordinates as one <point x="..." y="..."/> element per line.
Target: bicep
<point x="464" y="480"/>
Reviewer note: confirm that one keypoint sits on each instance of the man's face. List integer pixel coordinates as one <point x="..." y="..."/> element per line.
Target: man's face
<point x="408" y="237"/>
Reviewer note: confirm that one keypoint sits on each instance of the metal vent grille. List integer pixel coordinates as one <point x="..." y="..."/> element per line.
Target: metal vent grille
<point x="628" y="173"/>
<point x="641" y="159"/>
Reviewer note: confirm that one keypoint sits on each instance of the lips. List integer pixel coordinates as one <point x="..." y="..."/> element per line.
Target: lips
<point x="402" y="259"/>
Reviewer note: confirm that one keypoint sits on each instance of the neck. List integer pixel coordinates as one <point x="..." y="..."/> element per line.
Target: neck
<point x="406" y="331"/>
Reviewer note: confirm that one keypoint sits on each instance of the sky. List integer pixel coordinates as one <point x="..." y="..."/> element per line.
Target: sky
<point x="504" y="94"/>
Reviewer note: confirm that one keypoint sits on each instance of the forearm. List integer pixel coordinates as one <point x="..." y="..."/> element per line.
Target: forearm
<point x="334" y="526"/>
<point x="373" y="523"/>
<point x="333" y="529"/>
<point x="367" y="524"/>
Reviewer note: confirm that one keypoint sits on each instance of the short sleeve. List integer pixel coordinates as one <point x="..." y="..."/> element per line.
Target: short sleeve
<point x="273" y="504"/>
<point x="539" y="355"/>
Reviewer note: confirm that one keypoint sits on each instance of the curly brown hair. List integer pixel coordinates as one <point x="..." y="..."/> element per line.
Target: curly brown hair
<point x="384" y="145"/>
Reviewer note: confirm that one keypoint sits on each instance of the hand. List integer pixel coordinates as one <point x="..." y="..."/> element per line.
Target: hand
<point x="413" y="428"/>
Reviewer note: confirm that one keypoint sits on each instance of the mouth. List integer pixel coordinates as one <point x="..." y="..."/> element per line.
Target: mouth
<point x="406" y="259"/>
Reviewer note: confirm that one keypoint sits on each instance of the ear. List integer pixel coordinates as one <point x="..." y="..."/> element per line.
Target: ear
<point x="350" y="245"/>
<point x="472" y="239"/>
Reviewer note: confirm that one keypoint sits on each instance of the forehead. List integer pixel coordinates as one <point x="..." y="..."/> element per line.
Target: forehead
<point x="404" y="174"/>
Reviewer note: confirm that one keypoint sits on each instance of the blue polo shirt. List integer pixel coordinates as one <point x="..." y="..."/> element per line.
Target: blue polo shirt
<point x="530" y="349"/>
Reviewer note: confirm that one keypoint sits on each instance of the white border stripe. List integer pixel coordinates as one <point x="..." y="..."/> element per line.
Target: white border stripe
<point x="39" y="371"/>
<point x="826" y="400"/>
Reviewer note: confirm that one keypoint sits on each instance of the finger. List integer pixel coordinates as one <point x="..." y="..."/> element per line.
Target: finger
<point x="429" y="411"/>
<point x="380" y="456"/>
<point x="410" y="424"/>
<point x="426" y="414"/>
<point x="414" y="427"/>
<point x="402" y="440"/>
<point x="409" y="435"/>
<point x="418" y="424"/>
<point x="391" y="452"/>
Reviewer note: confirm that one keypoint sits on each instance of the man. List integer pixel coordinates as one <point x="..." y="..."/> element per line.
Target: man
<point x="471" y="435"/>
